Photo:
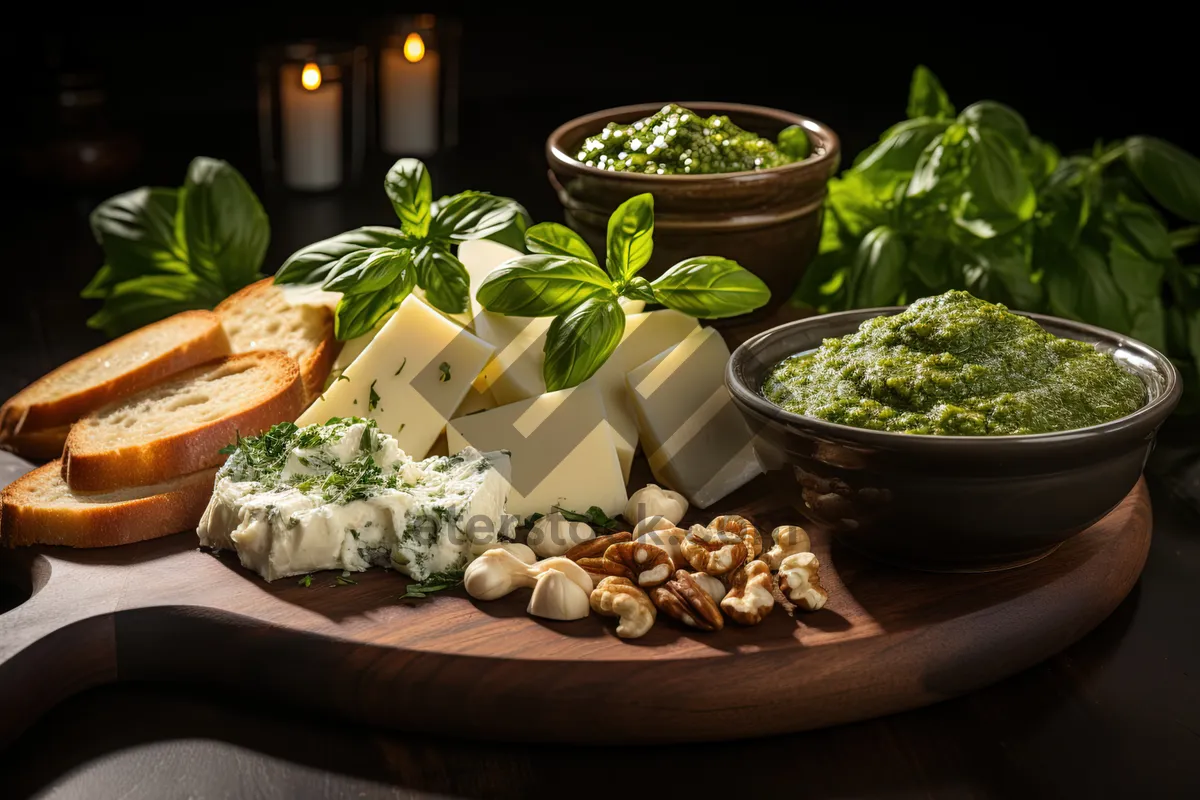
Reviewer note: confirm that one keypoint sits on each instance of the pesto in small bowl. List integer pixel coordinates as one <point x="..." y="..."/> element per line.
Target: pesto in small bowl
<point x="955" y="365"/>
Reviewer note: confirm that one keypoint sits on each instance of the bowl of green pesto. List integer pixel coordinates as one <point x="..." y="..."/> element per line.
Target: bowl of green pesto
<point x="952" y="433"/>
<point x="739" y="181"/>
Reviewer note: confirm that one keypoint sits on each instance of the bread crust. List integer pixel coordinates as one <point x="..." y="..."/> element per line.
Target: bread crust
<point x="314" y="365"/>
<point x="25" y="521"/>
<point x="20" y="413"/>
<point x="38" y="445"/>
<point x="86" y="469"/>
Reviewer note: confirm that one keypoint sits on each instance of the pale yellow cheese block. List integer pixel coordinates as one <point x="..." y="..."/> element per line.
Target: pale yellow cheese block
<point x="562" y="451"/>
<point x="695" y="439"/>
<point x="414" y="394"/>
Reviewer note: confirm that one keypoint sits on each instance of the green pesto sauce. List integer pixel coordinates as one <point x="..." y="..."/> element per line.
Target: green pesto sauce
<point x="955" y="365"/>
<point x="676" y="141"/>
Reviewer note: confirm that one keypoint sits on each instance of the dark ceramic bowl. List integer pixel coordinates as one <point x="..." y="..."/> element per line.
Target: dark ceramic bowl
<point x="769" y="221"/>
<point x="950" y="503"/>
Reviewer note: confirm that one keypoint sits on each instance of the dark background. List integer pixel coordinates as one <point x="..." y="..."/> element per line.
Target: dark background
<point x="179" y="85"/>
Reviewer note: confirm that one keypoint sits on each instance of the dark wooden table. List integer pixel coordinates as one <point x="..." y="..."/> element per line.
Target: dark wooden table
<point x="1117" y="714"/>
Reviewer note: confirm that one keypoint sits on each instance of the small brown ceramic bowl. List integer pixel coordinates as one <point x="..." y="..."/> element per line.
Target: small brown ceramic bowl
<point x="769" y="221"/>
<point x="950" y="503"/>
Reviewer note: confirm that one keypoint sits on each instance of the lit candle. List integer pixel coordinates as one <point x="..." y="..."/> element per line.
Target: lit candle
<point x="312" y="128"/>
<point x="408" y="88"/>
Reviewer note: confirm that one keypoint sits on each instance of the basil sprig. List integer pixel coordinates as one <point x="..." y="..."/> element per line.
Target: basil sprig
<point x="375" y="267"/>
<point x="562" y="278"/>
<point x="170" y="250"/>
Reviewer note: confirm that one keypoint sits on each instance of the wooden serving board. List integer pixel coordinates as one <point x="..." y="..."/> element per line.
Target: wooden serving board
<point x="888" y="640"/>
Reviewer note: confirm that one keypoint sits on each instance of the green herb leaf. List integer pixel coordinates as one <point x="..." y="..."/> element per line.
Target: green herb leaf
<point x="444" y="368"/>
<point x="403" y="364"/>
<point x="357" y="314"/>
<point x="552" y="239"/>
<point x="630" y="237"/>
<point x="140" y="301"/>
<point x="580" y="341"/>
<point x="794" y="143"/>
<point x="312" y="264"/>
<point x="137" y="233"/>
<point x="639" y="289"/>
<point x="926" y="97"/>
<point x="437" y="582"/>
<point x="410" y="189"/>
<point x="998" y="118"/>
<point x="877" y="276"/>
<point x="365" y="271"/>
<point x="473" y="215"/>
<point x="446" y="282"/>
<point x="1170" y="175"/>
<point x="306" y="581"/>
<point x="542" y="285"/>
<point x="345" y="580"/>
<point x="222" y="225"/>
<point x="373" y="398"/>
<point x="710" y="287"/>
<point x="594" y="516"/>
<point x="894" y="157"/>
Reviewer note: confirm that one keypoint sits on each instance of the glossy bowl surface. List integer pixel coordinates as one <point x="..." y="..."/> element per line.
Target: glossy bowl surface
<point x="769" y="221"/>
<point x="950" y="502"/>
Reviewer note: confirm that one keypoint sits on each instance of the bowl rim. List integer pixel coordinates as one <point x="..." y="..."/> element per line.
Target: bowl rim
<point x="826" y="136"/>
<point x="1150" y="415"/>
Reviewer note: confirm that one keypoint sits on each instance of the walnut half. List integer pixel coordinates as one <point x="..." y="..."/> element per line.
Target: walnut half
<point x="682" y="598"/>
<point x="750" y="598"/>
<point x="713" y="552"/>
<point x="649" y="564"/>
<point x="799" y="581"/>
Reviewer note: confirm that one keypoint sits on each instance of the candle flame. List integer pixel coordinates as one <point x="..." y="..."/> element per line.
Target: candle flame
<point x="310" y="77"/>
<point x="414" y="47"/>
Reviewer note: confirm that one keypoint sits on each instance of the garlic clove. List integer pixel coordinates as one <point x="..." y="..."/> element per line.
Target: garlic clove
<point x="573" y="572"/>
<point x="652" y="500"/>
<point x="553" y="535"/>
<point x="555" y="596"/>
<point x="494" y="574"/>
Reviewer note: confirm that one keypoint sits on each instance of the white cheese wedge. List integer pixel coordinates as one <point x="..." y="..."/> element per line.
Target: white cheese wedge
<point x="695" y="439"/>
<point x="410" y="378"/>
<point x="562" y="451"/>
<point x="419" y="517"/>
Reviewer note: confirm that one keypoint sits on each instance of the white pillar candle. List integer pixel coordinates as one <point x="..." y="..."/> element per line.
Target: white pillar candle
<point x="312" y="129"/>
<point x="408" y="91"/>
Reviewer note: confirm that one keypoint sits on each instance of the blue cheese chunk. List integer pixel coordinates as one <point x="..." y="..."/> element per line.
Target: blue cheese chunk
<point x="345" y="496"/>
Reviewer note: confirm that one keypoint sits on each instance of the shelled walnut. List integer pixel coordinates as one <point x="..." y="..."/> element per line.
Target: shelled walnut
<point x="649" y="564"/>
<point x="742" y="528"/>
<point x="799" y="581"/>
<point x="788" y="540"/>
<point x="750" y="598"/>
<point x="683" y="598"/>
<point x="712" y="551"/>
<point x="619" y="597"/>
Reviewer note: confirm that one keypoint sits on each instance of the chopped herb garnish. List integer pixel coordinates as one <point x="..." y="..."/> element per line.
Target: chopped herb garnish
<point x="306" y="581"/>
<point x="373" y="403"/>
<point x="594" y="516"/>
<point x="345" y="580"/>
<point x="401" y="428"/>
<point x="445" y="368"/>
<point x="436" y="582"/>
<point x="402" y="365"/>
<point x="356" y="401"/>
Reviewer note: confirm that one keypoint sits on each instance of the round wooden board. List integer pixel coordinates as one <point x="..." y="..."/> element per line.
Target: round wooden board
<point x="888" y="640"/>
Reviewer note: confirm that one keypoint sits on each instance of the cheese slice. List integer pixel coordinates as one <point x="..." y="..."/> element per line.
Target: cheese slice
<point x="695" y="439"/>
<point x="410" y="378"/>
<point x="562" y="452"/>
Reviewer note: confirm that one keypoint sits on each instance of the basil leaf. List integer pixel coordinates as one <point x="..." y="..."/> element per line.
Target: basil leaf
<point x="630" y="237"/>
<point x="877" y="276"/>
<point x="710" y="287"/>
<point x="542" y="286"/>
<point x="1169" y="174"/>
<point x="149" y="298"/>
<point x="926" y="97"/>
<point x="410" y="189"/>
<point x="794" y="143"/>
<point x="1142" y="227"/>
<point x="896" y="155"/>
<point x="553" y="239"/>
<point x="997" y="180"/>
<point x="357" y="314"/>
<point x="446" y="282"/>
<point x="999" y="118"/>
<point x="223" y="225"/>
<point x="312" y="264"/>
<point x="580" y="341"/>
<point x="473" y="215"/>
<point x="136" y="230"/>
<point x="368" y="270"/>
<point x="100" y="285"/>
<point x="999" y="270"/>
<point x="639" y="289"/>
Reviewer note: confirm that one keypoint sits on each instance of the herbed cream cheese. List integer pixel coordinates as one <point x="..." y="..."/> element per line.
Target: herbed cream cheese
<point x="344" y="496"/>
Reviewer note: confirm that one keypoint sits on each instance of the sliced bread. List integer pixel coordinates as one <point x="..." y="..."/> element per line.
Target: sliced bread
<point x="39" y="508"/>
<point x="115" y="370"/>
<point x="181" y="425"/>
<point x="260" y="317"/>
<point x="45" y="444"/>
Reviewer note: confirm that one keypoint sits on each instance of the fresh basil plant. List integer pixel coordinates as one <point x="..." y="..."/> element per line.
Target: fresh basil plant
<point x="170" y="250"/>
<point x="375" y="268"/>
<point x="972" y="200"/>
<point x="563" y="278"/>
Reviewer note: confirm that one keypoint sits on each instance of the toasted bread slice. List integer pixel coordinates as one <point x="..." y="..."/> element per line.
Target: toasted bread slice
<point x="39" y="508"/>
<point x="180" y="426"/>
<point x="260" y="317"/>
<point x="115" y="370"/>
<point x="45" y="444"/>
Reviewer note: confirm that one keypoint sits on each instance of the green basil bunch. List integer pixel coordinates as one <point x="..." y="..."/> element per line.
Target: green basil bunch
<point x="974" y="201"/>
<point x="562" y="278"/>
<point x="170" y="250"/>
<point x="375" y="268"/>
